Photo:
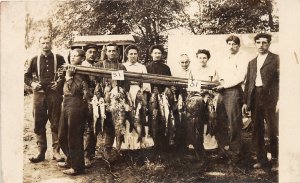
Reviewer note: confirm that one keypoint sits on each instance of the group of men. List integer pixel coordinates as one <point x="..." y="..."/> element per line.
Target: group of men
<point x="65" y="99"/>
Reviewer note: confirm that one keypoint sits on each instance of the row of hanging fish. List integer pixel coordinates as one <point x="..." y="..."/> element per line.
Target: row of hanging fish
<point x="150" y="109"/>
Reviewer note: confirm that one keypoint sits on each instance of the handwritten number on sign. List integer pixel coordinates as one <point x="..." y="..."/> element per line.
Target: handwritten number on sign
<point x="194" y="85"/>
<point x="117" y="75"/>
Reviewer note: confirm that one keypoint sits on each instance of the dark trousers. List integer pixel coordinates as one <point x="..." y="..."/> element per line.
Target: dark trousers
<point x="108" y="131"/>
<point x="196" y="111"/>
<point x="89" y="134"/>
<point x="46" y="106"/>
<point x="259" y="113"/>
<point x="229" y="120"/>
<point x="71" y="130"/>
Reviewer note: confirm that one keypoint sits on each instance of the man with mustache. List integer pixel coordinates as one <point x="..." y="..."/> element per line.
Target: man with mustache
<point x="47" y="96"/>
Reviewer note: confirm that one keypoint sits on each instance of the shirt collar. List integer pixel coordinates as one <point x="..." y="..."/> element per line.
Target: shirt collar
<point x="89" y="63"/>
<point x="185" y="70"/>
<point x="50" y="55"/>
<point x="133" y="64"/>
<point x="233" y="55"/>
<point x="115" y="61"/>
<point x="158" y="61"/>
<point x="263" y="56"/>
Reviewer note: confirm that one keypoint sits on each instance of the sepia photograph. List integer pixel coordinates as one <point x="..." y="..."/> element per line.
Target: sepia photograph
<point x="150" y="91"/>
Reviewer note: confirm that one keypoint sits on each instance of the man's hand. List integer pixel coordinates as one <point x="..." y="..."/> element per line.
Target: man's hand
<point x="36" y="86"/>
<point x="53" y="85"/>
<point x="60" y="73"/>
<point x="147" y="89"/>
<point x="245" y="109"/>
<point x="173" y="88"/>
<point x="70" y="72"/>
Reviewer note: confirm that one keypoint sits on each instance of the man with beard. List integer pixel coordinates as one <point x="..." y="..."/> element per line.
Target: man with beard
<point x="47" y="96"/>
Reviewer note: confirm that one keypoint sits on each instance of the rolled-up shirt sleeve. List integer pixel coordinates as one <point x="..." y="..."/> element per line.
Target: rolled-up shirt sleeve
<point x="28" y="73"/>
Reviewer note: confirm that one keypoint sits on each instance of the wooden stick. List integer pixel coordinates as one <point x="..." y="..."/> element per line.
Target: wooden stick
<point x="142" y="77"/>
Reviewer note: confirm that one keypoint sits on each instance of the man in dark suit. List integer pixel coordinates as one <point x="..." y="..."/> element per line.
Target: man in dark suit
<point x="261" y="98"/>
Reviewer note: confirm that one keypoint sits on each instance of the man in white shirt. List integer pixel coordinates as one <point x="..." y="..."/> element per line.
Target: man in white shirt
<point x="184" y="71"/>
<point x="231" y="72"/>
<point x="179" y="114"/>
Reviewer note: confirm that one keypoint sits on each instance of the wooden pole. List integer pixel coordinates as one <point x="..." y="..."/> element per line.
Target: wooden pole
<point x="142" y="77"/>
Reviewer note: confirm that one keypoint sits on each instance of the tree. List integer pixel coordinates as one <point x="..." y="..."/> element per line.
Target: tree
<point x="230" y="16"/>
<point x="150" y="23"/>
<point x="151" y="20"/>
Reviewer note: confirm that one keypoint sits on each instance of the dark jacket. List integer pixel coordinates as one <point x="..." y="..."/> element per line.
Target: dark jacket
<point x="158" y="67"/>
<point x="270" y="80"/>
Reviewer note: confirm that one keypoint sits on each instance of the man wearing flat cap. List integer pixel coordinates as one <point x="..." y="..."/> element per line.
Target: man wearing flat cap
<point x="91" y="53"/>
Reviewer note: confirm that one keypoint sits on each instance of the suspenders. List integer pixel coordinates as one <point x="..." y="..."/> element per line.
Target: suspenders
<point x="39" y="66"/>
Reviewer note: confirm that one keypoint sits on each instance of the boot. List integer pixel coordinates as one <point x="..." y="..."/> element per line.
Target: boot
<point x="42" y="147"/>
<point x="55" y="145"/>
<point x="72" y="171"/>
<point x="39" y="157"/>
<point x="57" y="156"/>
<point x="87" y="162"/>
<point x="274" y="167"/>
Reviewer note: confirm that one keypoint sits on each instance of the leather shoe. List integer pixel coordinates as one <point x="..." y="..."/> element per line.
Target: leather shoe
<point x="87" y="163"/>
<point x="257" y="166"/>
<point x="274" y="166"/>
<point x="57" y="157"/>
<point x="265" y="166"/>
<point x="63" y="165"/>
<point x="71" y="171"/>
<point x="37" y="158"/>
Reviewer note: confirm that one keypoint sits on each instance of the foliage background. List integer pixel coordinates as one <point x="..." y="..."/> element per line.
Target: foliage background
<point x="150" y="21"/>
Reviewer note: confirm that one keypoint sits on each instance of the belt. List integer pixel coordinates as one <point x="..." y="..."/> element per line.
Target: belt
<point x="39" y="91"/>
<point x="134" y="83"/>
